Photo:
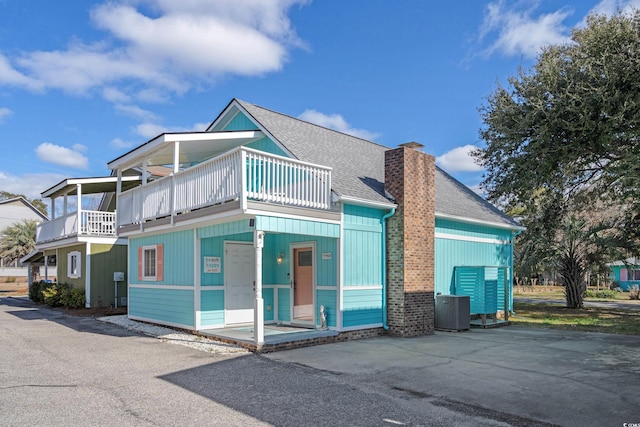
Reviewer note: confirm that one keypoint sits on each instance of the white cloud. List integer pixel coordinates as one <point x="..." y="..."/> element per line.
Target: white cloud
<point x="4" y="112"/>
<point x="134" y="110"/>
<point x="31" y="185"/>
<point x="179" y="44"/>
<point x="336" y="122"/>
<point x="119" y="143"/>
<point x="514" y="30"/>
<point x="459" y="160"/>
<point x="63" y="156"/>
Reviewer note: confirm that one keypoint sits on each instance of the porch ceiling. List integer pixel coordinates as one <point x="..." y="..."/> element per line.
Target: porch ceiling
<point x="97" y="185"/>
<point x="194" y="147"/>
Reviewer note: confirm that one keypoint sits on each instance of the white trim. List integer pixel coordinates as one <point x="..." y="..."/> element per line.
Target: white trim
<point x="359" y="327"/>
<point x="471" y="239"/>
<point x="78" y="271"/>
<point x="277" y="286"/>
<point x="212" y="288"/>
<point x="310" y="218"/>
<point x="196" y="279"/>
<point x="340" y="270"/>
<point x="144" y="263"/>
<point x="228" y="216"/>
<point x="367" y="203"/>
<point x="480" y="222"/>
<point x="362" y="288"/>
<point x="75" y="239"/>
<point x="162" y="322"/>
<point x="87" y="279"/>
<point x="326" y="288"/>
<point x="170" y="287"/>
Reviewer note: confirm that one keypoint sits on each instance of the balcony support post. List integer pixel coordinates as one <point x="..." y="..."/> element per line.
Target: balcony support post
<point x="79" y="209"/>
<point x="258" y="308"/>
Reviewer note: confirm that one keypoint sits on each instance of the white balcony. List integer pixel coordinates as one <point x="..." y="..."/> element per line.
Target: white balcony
<point x="242" y="174"/>
<point x="83" y="223"/>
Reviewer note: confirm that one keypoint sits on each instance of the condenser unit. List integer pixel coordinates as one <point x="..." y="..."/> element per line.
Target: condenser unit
<point x="452" y="312"/>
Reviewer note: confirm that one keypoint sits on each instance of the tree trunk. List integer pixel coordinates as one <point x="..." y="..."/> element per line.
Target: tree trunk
<point x="573" y="273"/>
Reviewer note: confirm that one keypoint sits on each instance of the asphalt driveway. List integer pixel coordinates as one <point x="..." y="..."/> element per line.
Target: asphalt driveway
<point x="57" y="369"/>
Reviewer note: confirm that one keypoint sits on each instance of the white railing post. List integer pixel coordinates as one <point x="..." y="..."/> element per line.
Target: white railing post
<point x="243" y="186"/>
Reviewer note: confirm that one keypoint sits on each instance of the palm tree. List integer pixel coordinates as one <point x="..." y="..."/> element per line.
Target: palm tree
<point x="18" y="240"/>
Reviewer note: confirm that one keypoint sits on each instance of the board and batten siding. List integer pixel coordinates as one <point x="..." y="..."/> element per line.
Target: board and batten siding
<point x="485" y="246"/>
<point x="63" y="269"/>
<point x="105" y="260"/>
<point x="242" y="122"/>
<point x="362" y="245"/>
<point x="178" y="257"/>
<point x="163" y="301"/>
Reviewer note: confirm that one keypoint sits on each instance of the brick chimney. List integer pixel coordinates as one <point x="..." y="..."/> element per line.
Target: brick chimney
<point x="410" y="179"/>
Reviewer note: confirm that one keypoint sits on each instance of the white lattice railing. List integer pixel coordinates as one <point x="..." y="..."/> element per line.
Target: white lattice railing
<point x="240" y="174"/>
<point x="91" y="223"/>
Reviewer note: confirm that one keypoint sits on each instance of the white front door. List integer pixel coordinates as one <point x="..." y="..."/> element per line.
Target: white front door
<point x="239" y="280"/>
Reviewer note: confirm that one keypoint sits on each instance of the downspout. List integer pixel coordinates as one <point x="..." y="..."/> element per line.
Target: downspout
<point x="513" y="275"/>
<point x="384" y="266"/>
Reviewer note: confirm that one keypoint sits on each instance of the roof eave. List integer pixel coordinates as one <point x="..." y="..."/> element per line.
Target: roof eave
<point x="475" y="221"/>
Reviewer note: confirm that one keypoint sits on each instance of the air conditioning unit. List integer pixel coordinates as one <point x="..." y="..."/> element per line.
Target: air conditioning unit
<point x="453" y="312"/>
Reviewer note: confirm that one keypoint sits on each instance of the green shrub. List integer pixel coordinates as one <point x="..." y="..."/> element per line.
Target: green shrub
<point x="607" y="293"/>
<point x="71" y="297"/>
<point x="35" y="291"/>
<point x="51" y="294"/>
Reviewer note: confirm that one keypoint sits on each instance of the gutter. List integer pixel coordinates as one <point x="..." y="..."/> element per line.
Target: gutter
<point x="383" y="221"/>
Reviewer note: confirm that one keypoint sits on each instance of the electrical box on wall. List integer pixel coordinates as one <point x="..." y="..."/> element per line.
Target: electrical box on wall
<point x="118" y="276"/>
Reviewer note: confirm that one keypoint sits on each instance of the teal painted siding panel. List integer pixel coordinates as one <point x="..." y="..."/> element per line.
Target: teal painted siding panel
<point x="456" y="253"/>
<point x="267" y="145"/>
<point x="328" y="298"/>
<point x="471" y="230"/>
<point x="297" y="226"/>
<point x="214" y="246"/>
<point x="267" y="296"/>
<point x="274" y="244"/>
<point x="162" y="305"/>
<point x="240" y="122"/>
<point x="212" y="307"/>
<point x="362" y="307"/>
<point x="178" y="257"/>
<point x="226" y="229"/>
<point x="284" y="304"/>
<point x="362" y="246"/>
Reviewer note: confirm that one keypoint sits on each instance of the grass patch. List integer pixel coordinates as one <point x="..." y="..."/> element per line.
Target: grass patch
<point x="607" y="320"/>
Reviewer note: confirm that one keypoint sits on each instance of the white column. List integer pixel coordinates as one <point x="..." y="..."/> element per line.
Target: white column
<point x="87" y="275"/>
<point x="145" y="172"/>
<point x="258" y="308"/>
<point x="118" y="191"/>
<point x="46" y="266"/>
<point x="79" y="210"/>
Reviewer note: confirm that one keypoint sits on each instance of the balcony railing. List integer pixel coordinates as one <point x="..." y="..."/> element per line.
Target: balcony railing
<point x="90" y="223"/>
<point x="240" y="174"/>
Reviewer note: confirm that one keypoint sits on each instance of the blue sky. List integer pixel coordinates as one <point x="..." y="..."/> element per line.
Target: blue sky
<point x="83" y="82"/>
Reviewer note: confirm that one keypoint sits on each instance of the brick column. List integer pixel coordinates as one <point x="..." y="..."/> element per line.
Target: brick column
<point x="410" y="179"/>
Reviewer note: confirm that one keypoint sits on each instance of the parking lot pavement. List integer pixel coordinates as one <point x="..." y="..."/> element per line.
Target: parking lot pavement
<point x="57" y="369"/>
<point x="559" y="377"/>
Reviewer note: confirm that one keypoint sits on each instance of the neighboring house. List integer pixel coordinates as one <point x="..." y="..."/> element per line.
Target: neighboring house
<point x="626" y="273"/>
<point x="13" y="211"/>
<point x="83" y="243"/>
<point x="267" y="219"/>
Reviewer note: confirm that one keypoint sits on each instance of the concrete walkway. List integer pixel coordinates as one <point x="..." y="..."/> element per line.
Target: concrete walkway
<point x="558" y="377"/>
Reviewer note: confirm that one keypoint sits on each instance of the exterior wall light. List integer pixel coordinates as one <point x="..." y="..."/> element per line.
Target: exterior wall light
<point x="280" y="258"/>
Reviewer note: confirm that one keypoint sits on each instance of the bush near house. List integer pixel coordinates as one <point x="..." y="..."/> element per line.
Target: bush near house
<point x="56" y="294"/>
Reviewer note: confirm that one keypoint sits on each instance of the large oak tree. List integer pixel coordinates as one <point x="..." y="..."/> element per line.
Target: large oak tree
<point x="562" y="148"/>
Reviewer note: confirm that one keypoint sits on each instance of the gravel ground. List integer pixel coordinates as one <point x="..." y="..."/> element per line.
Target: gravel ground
<point x="174" y="337"/>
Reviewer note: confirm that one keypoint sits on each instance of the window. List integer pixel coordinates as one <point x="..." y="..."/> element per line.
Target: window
<point x="633" y="274"/>
<point x="74" y="265"/>
<point x="150" y="262"/>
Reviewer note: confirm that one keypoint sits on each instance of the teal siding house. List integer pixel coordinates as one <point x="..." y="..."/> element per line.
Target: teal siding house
<point x="267" y="219"/>
<point x="626" y="273"/>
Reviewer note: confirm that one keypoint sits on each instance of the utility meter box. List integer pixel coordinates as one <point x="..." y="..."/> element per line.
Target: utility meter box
<point x="118" y="276"/>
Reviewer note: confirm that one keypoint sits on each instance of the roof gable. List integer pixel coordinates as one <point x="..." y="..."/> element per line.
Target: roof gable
<point x="358" y="166"/>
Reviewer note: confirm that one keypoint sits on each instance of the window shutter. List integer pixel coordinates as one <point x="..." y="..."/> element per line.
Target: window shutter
<point x="159" y="263"/>
<point x="140" y="267"/>
<point x="623" y="274"/>
<point x="69" y="267"/>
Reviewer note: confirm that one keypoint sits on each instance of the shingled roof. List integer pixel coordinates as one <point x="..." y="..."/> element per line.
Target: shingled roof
<point x="358" y="166"/>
